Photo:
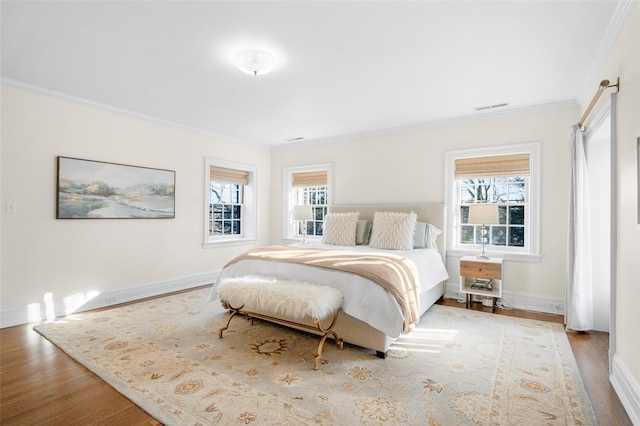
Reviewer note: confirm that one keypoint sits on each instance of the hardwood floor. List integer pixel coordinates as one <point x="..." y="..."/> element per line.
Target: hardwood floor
<point x="40" y="384"/>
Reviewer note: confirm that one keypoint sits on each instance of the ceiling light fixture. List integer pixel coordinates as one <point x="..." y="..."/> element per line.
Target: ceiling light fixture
<point x="254" y="61"/>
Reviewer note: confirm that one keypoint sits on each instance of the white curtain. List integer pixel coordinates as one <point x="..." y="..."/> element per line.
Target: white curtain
<point x="578" y="283"/>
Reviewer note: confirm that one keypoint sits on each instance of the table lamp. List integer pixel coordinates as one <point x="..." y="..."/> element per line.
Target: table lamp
<point x="483" y="214"/>
<point x="303" y="214"/>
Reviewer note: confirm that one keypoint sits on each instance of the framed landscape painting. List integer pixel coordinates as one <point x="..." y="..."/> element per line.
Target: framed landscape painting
<point x="97" y="190"/>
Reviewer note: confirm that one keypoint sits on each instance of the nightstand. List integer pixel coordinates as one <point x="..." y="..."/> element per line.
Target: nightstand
<point x="481" y="277"/>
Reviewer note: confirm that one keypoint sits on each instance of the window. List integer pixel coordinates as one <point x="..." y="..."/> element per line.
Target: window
<point x="509" y="194"/>
<point x="230" y="202"/>
<point x="306" y="186"/>
<point x="225" y="209"/>
<point x="507" y="176"/>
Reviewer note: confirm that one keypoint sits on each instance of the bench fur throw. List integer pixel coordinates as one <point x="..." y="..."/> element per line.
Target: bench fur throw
<point x="293" y="300"/>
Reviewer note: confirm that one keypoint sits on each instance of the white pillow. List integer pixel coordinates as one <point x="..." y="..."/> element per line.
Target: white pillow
<point x="392" y="230"/>
<point x="432" y="236"/>
<point x="340" y="228"/>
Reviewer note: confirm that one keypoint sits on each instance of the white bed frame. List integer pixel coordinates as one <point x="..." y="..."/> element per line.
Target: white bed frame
<point x="356" y="332"/>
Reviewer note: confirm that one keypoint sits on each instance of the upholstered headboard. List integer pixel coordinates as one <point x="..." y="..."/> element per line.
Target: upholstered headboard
<point x="433" y="213"/>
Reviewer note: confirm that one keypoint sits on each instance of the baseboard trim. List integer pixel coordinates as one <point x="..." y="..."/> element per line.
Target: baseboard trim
<point x="627" y="388"/>
<point x="57" y="307"/>
<point x="516" y="300"/>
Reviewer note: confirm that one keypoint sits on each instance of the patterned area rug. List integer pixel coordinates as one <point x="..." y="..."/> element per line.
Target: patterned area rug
<point x="458" y="367"/>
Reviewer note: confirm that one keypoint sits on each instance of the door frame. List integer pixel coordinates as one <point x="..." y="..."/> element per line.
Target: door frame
<point x="608" y="109"/>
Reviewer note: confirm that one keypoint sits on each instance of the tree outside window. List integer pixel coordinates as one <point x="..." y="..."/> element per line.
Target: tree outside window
<point x="510" y="195"/>
<point x="225" y="210"/>
<point x="507" y="175"/>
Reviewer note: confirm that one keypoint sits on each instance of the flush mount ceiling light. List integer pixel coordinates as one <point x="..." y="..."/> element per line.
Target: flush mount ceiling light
<point x="254" y="61"/>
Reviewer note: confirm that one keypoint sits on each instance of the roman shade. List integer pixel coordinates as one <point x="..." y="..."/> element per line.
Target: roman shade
<point x="317" y="178"/>
<point x="224" y="174"/>
<point x="495" y="166"/>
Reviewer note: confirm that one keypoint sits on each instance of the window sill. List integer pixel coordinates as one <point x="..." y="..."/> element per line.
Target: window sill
<point x="229" y="242"/>
<point x="512" y="257"/>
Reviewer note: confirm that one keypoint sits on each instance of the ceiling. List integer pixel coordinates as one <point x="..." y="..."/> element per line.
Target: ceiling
<point x="343" y="68"/>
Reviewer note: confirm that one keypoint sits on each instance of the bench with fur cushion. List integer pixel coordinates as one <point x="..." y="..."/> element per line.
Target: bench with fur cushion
<point x="285" y="302"/>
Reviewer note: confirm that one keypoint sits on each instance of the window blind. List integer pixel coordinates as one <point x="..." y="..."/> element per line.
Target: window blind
<point x="223" y="174"/>
<point x="496" y="166"/>
<point x="317" y="178"/>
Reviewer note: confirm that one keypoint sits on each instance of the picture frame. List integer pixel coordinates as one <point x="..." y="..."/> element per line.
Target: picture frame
<point x="88" y="189"/>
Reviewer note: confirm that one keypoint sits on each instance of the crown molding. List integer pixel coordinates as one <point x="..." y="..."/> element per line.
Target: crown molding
<point x="131" y="114"/>
<point x="618" y="20"/>
<point x="481" y="116"/>
<point x="454" y="121"/>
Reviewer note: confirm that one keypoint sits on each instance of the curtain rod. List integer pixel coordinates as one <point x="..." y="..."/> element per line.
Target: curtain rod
<point x="604" y="85"/>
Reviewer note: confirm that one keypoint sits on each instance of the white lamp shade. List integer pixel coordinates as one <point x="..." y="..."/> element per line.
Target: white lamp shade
<point x="302" y="213"/>
<point x="256" y="62"/>
<point x="483" y="214"/>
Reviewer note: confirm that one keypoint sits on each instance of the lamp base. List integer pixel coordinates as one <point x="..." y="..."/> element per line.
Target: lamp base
<point x="483" y="253"/>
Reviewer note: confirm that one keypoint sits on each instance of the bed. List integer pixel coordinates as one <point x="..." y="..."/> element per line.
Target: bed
<point x="371" y="316"/>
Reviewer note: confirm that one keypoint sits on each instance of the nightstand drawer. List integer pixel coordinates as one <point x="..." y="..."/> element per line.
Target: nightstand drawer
<point x="481" y="269"/>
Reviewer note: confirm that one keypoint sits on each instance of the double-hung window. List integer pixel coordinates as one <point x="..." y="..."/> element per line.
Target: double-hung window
<point x="306" y="186"/>
<point x="230" y="202"/>
<point x="506" y="176"/>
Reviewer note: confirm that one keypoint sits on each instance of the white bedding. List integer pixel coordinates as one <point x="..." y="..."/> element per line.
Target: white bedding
<point x="363" y="298"/>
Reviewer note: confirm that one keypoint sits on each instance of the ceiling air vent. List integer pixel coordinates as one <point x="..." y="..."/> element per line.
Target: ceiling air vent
<point x="299" y="138"/>
<point x="483" y="108"/>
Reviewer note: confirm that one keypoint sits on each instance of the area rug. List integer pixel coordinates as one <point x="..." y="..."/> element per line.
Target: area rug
<point x="458" y="367"/>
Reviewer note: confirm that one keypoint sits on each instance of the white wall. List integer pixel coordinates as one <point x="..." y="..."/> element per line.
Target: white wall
<point x="624" y="62"/>
<point x="368" y="169"/>
<point x="66" y="257"/>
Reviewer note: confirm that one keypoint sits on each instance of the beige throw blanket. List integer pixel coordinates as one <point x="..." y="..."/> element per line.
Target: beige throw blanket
<point x="395" y="273"/>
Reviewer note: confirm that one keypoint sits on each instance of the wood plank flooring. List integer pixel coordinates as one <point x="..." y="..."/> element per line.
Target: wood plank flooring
<point x="40" y="384"/>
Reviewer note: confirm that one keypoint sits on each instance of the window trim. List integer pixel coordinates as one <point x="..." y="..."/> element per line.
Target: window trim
<point x="288" y="202"/>
<point x="533" y="229"/>
<point x="249" y="215"/>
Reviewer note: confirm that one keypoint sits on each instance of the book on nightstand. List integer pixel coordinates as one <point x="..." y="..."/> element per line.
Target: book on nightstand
<point x="482" y="284"/>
